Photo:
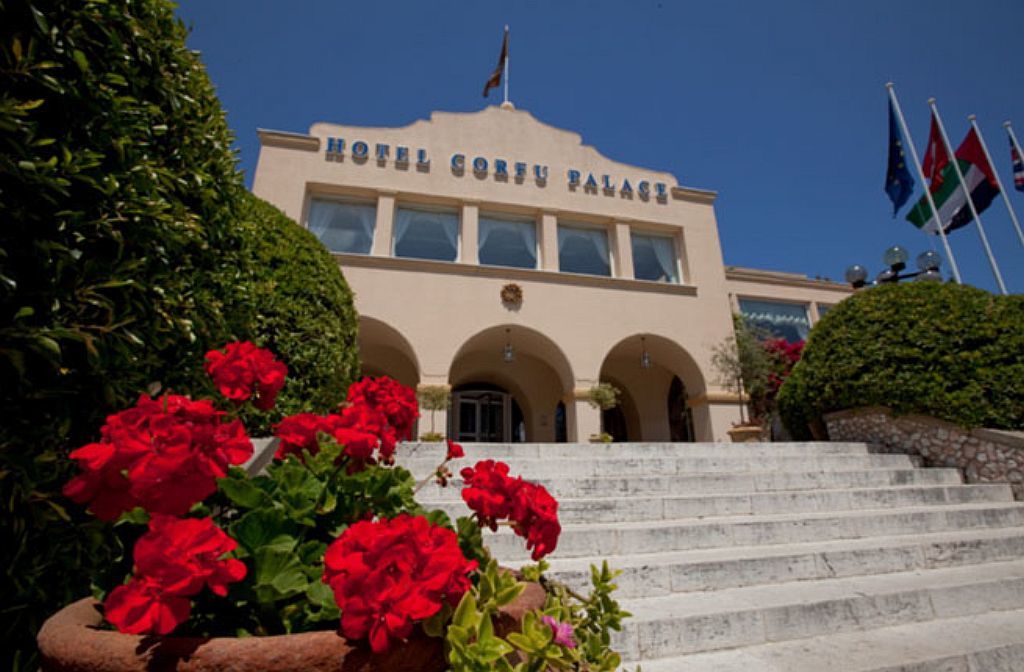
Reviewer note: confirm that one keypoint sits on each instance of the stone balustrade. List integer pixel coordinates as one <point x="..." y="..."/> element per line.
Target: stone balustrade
<point x="984" y="455"/>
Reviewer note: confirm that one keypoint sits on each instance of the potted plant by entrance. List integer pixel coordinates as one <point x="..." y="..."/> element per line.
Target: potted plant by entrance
<point x="603" y="397"/>
<point x="434" y="398"/>
<point x="325" y="561"/>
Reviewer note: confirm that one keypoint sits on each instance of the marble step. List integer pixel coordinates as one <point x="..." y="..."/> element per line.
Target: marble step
<point x="680" y="624"/>
<point x="710" y="484"/>
<point x="623" y="539"/>
<point x="653" y="574"/>
<point x="477" y="451"/>
<point x="983" y="642"/>
<point x="608" y="510"/>
<point x="590" y="466"/>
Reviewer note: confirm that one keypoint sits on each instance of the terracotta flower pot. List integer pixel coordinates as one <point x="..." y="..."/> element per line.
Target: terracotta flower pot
<point x="746" y="433"/>
<point x="70" y="641"/>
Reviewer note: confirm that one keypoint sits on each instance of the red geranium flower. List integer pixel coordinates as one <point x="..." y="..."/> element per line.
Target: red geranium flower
<point x="244" y="371"/>
<point x="142" y="607"/>
<point x="163" y="454"/>
<point x="184" y="554"/>
<point x="455" y="451"/>
<point x="493" y="495"/>
<point x="388" y="574"/>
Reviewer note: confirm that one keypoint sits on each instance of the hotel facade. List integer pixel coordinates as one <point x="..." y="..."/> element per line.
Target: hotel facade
<point x="506" y="260"/>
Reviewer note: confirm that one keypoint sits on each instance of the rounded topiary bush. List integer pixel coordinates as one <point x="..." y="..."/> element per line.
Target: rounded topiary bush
<point x="301" y="309"/>
<point x="945" y="350"/>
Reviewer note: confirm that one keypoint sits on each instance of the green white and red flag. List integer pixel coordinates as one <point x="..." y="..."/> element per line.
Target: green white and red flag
<point x="949" y="196"/>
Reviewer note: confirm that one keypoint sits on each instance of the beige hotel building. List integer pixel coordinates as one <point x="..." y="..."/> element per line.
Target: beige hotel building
<point x="506" y="259"/>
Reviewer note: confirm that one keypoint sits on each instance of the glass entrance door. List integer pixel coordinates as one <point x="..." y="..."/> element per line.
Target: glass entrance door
<point x="482" y="416"/>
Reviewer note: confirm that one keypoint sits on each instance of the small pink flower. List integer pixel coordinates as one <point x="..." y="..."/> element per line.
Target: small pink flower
<point x="562" y="632"/>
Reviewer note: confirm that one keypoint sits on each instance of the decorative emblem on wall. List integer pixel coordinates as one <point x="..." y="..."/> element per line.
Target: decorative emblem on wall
<point x="512" y="295"/>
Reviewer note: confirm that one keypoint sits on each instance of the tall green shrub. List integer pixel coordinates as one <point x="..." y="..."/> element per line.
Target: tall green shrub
<point x="118" y="190"/>
<point x="301" y="309"/>
<point x="949" y="351"/>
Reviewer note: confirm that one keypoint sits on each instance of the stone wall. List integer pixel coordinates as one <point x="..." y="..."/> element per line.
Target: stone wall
<point x="983" y="455"/>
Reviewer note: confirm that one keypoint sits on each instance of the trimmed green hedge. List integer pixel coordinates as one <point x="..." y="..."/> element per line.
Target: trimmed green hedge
<point x="128" y="248"/>
<point x="950" y="351"/>
<point x="302" y="311"/>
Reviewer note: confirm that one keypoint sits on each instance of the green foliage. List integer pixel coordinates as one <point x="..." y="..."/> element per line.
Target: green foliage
<point x="434" y="398"/>
<point x="474" y="646"/>
<point x="603" y="396"/>
<point x="118" y="190"/>
<point x="949" y="351"/>
<point x="744" y="366"/>
<point x="301" y="310"/>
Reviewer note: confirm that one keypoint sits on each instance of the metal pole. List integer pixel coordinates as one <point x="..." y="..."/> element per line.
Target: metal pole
<point x="508" y="55"/>
<point x="924" y="182"/>
<point x="967" y="194"/>
<point x="995" y="174"/>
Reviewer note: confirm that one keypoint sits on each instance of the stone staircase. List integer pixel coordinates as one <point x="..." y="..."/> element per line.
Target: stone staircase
<point x="794" y="557"/>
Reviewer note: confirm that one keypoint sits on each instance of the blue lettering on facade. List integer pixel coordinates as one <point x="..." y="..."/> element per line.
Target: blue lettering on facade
<point x="335" y="145"/>
<point x="481" y="165"/>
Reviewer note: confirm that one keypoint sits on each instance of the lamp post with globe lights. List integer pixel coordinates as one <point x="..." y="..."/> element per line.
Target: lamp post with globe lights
<point x="928" y="264"/>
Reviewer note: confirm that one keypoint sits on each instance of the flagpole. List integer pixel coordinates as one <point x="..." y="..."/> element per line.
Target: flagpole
<point x="988" y="157"/>
<point x="967" y="193"/>
<point x="1013" y="138"/>
<point x="508" y="53"/>
<point x="920" y="173"/>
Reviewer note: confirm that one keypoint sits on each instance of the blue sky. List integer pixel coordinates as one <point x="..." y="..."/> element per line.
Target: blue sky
<point x="779" y="106"/>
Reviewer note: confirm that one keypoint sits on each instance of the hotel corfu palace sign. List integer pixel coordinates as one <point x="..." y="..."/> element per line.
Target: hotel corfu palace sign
<point x="501" y="170"/>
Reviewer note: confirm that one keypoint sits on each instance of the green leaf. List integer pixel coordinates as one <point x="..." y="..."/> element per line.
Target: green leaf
<point x="466" y="615"/>
<point x="278" y="574"/>
<point x="261" y="527"/>
<point x="243" y="492"/>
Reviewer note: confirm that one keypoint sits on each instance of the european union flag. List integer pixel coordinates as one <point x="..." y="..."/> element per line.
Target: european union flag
<point x="898" y="182"/>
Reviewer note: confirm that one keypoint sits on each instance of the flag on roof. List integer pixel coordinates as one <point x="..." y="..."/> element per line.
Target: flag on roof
<point x="1018" y="167"/>
<point x="495" y="79"/>
<point x="898" y="182"/>
<point x="945" y="187"/>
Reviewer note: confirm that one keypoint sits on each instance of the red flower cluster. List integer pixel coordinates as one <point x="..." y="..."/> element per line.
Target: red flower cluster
<point x="387" y="574"/>
<point x="455" y="451"/>
<point x="173" y="562"/>
<point x="163" y="454"/>
<point x="379" y="414"/>
<point x="785" y="356"/>
<point x="494" y="495"/>
<point x="244" y="371"/>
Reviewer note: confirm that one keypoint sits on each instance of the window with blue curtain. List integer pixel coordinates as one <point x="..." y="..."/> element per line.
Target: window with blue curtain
<point x="426" y="234"/>
<point x="654" y="258"/>
<point x="507" y="242"/>
<point x="781" y="320"/>
<point x="341" y="226"/>
<point x="583" y="250"/>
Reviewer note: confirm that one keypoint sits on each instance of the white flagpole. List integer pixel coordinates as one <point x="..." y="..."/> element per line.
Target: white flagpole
<point x="1013" y="138"/>
<point x="508" y="54"/>
<point x="967" y="193"/>
<point x="924" y="182"/>
<point x="995" y="173"/>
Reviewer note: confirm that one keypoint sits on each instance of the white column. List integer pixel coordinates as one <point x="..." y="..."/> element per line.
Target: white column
<point x="385" y="223"/>
<point x="549" y="241"/>
<point x="622" y="248"/>
<point x="470" y="222"/>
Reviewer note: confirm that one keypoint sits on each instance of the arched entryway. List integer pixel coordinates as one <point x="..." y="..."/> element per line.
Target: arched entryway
<point x="656" y="376"/>
<point x="383" y="351"/>
<point x="516" y="377"/>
